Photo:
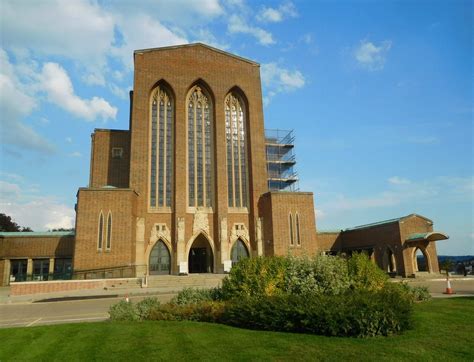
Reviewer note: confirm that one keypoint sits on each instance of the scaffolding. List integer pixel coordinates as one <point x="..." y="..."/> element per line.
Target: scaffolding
<point x="281" y="173"/>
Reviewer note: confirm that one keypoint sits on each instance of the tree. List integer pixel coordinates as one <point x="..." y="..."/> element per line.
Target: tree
<point x="8" y="225"/>
<point x="63" y="229"/>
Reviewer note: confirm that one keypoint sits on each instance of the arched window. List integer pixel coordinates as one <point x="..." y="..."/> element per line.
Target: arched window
<point x="239" y="251"/>
<point x="161" y="147"/>
<point x="236" y="139"/>
<point x="298" y="240"/>
<point x="109" y="231"/>
<point x="100" y="237"/>
<point x="199" y="116"/>
<point x="291" y="229"/>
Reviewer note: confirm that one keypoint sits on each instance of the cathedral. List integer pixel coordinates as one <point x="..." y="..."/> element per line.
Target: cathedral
<point x="195" y="184"/>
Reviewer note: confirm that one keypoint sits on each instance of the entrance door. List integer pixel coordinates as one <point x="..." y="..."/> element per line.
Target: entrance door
<point x="239" y="251"/>
<point x="160" y="259"/>
<point x="198" y="260"/>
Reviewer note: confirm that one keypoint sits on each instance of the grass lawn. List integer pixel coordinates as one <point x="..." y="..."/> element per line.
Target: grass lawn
<point x="444" y="331"/>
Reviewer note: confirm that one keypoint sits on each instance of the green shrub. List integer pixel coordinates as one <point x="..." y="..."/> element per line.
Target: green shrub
<point x="255" y="276"/>
<point x="319" y="275"/>
<point x="205" y="311"/>
<point x="420" y="293"/>
<point x="358" y="313"/>
<point x="365" y="274"/>
<point x="145" y="306"/>
<point x="196" y="295"/>
<point x="416" y="293"/>
<point x="123" y="311"/>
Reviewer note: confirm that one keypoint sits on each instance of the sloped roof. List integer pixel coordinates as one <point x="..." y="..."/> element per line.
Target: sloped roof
<point x="431" y="236"/>
<point x="141" y="51"/>
<point x="398" y="219"/>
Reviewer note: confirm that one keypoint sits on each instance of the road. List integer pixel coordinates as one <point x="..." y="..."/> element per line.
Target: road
<point x="33" y="314"/>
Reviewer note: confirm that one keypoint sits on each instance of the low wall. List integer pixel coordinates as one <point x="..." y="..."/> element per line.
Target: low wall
<point x="25" y="288"/>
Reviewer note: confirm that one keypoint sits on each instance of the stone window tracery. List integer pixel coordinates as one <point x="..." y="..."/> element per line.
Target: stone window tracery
<point x="161" y="148"/>
<point x="200" y="175"/>
<point x="236" y="140"/>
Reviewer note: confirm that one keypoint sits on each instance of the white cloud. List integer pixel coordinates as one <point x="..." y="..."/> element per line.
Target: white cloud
<point x="238" y="25"/>
<point x="141" y="32"/>
<point x="396" y="180"/>
<point x="55" y="82"/>
<point x="39" y="213"/>
<point x="276" y="80"/>
<point x="276" y="15"/>
<point x="370" y="56"/>
<point x="76" y="29"/>
<point x="121" y="93"/>
<point x="75" y="154"/>
<point x="16" y="104"/>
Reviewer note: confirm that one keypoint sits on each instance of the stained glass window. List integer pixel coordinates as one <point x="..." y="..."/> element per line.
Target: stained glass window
<point x="236" y="151"/>
<point x="199" y="149"/>
<point x="161" y="148"/>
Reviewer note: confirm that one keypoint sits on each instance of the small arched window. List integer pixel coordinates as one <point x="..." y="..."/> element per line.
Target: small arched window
<point x="291" y="229"/>
<point x="100" y="237"/>
<point x="236" y="140"/>
<point x="109" y="231"/>
<point x="161" y="147"/>
<point x="298" y="240"/>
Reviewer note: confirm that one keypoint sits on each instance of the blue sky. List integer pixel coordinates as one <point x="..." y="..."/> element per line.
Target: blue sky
<point x="380" y="95"/>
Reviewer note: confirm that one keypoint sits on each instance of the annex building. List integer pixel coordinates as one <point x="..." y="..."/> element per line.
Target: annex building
<point x="195" y="184"/>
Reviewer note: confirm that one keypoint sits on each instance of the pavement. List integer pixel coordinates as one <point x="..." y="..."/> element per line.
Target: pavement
<point x="93" y="305"/>
<point x="28" y="314"/>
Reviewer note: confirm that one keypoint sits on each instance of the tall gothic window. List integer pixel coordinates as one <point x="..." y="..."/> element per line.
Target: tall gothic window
<point x="236" y="138"/>
<point x="290" y="220"/>
<point x="161" y="148"/>
<point x="109" y="231"/>
<point x="199" y="114"/>
<point x="100" y="235"/>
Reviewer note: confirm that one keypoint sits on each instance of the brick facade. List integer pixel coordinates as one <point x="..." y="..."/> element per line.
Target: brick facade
<point x="120" y="186"/>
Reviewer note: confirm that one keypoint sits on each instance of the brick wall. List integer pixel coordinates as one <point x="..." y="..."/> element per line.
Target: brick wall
<point x="106" y="169"/>
<point x="329" y="241"/>
<point x="277" y="215"/>
<point x="25" y="288"/>
<point x="36" y="246"/>
<point x="91" y="202"/>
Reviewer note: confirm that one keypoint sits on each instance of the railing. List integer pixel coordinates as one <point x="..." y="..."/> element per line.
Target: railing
<point x="126" y="271"/>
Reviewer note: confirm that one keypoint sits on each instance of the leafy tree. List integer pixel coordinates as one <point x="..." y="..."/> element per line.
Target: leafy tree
<point x="8" y="225"/>
<point x="63" y="229"/>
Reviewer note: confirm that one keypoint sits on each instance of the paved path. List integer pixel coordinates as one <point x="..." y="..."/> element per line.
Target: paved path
<point x="461" y="286"/>
<point x="32" y="314"/>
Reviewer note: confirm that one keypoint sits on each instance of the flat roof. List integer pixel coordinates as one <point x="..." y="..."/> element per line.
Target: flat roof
<point x="36" y="233"/>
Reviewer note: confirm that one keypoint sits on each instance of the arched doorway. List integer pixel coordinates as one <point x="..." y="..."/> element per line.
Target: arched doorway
<point x="420" y="261"/>
<point x="160" y="259"/>
<point x="239" y="252"/>
<point x="200" y="259"/>
<point x="389" y="261"/>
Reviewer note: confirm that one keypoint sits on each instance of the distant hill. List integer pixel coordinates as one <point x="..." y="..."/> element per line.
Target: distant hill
<point x="456" y="259"/>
